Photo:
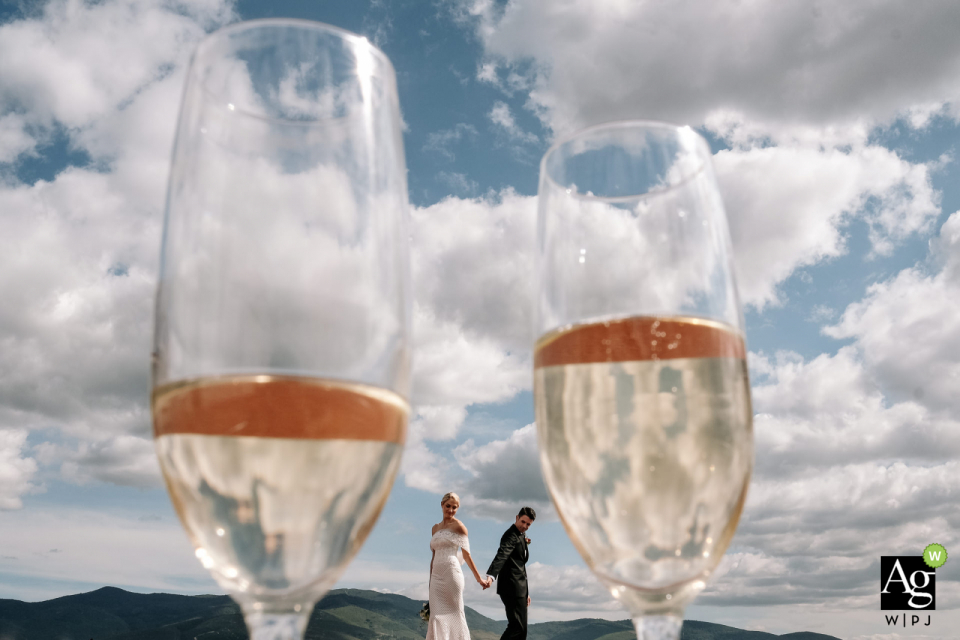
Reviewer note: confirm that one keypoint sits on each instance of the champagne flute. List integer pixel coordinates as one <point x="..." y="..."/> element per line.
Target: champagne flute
<point x="282" y="363"/>
<point x="640" y="377"/>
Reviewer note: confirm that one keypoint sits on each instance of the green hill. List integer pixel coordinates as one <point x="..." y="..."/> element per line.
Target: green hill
<point x="345" y="614"/>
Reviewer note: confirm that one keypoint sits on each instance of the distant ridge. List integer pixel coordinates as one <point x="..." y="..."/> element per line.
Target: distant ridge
<point x="345" y="614"/>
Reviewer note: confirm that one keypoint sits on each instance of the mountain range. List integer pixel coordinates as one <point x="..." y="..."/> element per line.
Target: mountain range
<point x="344" y="614"/>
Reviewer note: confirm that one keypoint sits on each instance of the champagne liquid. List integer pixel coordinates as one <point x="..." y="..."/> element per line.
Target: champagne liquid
<point x="645" y="430"/>
<point x="278" y="480"/>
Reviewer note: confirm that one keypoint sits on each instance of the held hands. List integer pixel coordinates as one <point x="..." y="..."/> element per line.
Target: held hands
<point x="486" y="582"/>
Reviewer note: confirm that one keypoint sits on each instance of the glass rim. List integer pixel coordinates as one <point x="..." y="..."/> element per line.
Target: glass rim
<point x="299" y="23"/>
<point x="623" y="124"/>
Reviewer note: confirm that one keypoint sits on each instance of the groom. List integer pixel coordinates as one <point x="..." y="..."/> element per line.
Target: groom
<point x="509" y="567"/>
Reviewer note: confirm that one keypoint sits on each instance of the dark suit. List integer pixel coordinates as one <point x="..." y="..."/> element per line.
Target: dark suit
<point x="509" y="567"/>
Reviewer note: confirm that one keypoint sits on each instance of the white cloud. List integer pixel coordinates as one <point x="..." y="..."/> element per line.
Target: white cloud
<point x="473" y="264"/>
<point x="487" y="72"/>
<point x="843" y="474"/>
<point x="780" y="63"/>
<point x="821" y="538"/>
<point x="788" y="207"/>
<point x="124" y="460"/>
<point x="62" y="66"/>
<point x="422" y="468"/>
<point x="78" y="253"/>
<point x="828" y="411"/>
<point x="14" y="139"/>
<point x="472" y="277"/>
<point x="455" y="366"/>
<point x="77" y="272"/>
<point x="442" y="141"/>
<point x="453" y="369"/>
<point x="788" y="204"/>
<point x="16" y="469"/>
<point x="787" y="86"/>
<point x="566" y="592"/>
<point x="505" y="473"/>
<point x="852" y="462"/>
<point x="504" y="121"/>
<point x="907" y="328"/>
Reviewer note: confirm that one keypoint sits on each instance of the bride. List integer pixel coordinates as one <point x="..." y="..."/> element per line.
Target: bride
<point x="447" y="620"/>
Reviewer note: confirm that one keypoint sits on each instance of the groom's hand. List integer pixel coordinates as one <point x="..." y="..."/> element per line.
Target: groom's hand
<point x="528" y="601"/>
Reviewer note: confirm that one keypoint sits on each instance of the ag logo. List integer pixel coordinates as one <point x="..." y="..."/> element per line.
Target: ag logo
<point x="907" y="583"/>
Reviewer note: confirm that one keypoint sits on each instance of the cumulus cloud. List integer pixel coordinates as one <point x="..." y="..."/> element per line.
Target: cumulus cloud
<point x="782" y="63"/>
<point x="565" y="592"/>
<point x="907" y="328"/>
<point x="16" y="469"/>
<point x="829" y="411"/>
<point x="471" y="268"/>
<point x="455" y="367"/>
<point x="788" y="207"/>
<point x="843" y="475"/>
<point x="855" y="451"/>
<point x="472" y="272"/>
<point x="78" y="252"/>
<point x="423" y="468"/>
<point x="829" y="548"/>
<point x="504" y="473"/>
<point x="78" y="277"/>
<point x="786" y="86"/>
<point x="14" y="138"/>
<point x="61" y="66"/>
<point x="124" y="460"/>
<point x="473" y="264"/>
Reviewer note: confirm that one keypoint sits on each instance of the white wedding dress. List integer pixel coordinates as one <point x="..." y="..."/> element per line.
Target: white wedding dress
<point x="447" y="620"/>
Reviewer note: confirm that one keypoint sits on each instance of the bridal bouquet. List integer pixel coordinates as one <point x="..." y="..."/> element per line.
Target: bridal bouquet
<point x="425" y="612"/>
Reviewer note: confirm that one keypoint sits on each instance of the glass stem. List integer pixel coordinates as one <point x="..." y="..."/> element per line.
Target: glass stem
<point x="272" y="625"/>
<point x="666" y="627"/>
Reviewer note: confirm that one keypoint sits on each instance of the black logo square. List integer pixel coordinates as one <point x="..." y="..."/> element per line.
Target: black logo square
<point x="907" y="583"/>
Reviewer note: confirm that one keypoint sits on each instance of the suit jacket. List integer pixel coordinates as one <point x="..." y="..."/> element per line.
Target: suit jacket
<point x="509" y="566"/>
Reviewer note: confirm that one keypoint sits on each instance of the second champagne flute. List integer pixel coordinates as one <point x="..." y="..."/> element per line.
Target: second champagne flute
<point x="281" y="362"/>
<point x="642" y="397"/>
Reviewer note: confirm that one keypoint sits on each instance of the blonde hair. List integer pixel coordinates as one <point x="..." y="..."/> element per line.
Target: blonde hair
<point x="447" y="497"/>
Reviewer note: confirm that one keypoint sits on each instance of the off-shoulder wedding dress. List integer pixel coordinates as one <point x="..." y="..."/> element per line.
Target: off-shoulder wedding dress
<point x="447" y="620"/>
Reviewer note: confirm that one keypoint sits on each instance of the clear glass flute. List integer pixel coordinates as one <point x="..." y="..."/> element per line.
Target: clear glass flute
<point x="640" y="375"/>
<point x="281" y="356"/>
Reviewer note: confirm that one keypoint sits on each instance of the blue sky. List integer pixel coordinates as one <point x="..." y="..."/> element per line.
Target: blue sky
<point x="835" y="131"/>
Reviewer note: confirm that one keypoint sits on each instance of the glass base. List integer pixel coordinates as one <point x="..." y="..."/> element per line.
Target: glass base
<point x="658" y="627"/>
<point x="276" y="626"/>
